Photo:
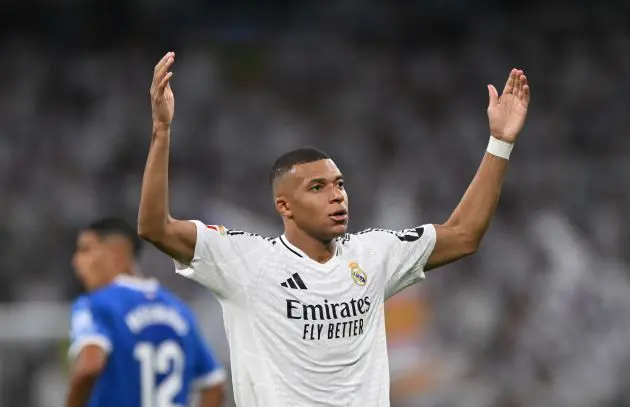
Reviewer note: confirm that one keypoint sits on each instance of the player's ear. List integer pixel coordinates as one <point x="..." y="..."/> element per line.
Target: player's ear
<point x="283" y="207"/>
<point x="119" y="248"/>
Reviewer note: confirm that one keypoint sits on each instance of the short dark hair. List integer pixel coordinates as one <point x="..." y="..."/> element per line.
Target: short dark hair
<point x="113" y="226"/>
<point x="286" y="161"/>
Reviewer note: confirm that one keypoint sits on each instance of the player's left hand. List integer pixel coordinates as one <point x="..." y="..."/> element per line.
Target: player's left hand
<point x="507" y="113"/>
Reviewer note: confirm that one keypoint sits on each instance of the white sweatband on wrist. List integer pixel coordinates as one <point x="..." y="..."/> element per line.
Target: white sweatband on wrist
<point x="499" y="148"/>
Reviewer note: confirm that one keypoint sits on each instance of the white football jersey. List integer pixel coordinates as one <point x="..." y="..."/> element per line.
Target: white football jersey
<point x="302" y="333"/>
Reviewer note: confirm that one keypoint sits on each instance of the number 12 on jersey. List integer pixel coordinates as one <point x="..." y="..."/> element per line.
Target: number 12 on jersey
<point x="155" y="360"/>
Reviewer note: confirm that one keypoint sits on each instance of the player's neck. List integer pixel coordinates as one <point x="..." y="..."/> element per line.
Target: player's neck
<point x="127" y="274"/>
<point x="314" y="248"/>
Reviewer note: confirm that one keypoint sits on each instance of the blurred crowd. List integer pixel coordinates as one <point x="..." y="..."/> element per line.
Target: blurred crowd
<point x="396" y="93"/>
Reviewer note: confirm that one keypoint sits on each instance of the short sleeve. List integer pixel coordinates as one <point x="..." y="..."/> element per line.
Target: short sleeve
<point x="225" y="260"/>
<point x="404" y="253"/>
<point x="207" y="370"/>
<point x="87" y="328"/>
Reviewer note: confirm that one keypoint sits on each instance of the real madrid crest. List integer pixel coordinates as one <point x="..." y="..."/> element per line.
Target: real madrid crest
<point x="358" y="276"/>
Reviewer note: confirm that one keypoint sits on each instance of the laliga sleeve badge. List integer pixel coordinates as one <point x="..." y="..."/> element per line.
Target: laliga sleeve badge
<point x="217" y="228"/>
<point x="358" y="275"/>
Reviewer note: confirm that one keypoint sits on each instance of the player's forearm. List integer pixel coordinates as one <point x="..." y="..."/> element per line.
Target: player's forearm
<point x="80" y="390"/>
<point x="478" y="205"/>
<point x="154" y="215"/>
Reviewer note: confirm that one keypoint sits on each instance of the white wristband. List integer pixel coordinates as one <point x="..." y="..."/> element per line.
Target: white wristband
<point x="499" y="148"/>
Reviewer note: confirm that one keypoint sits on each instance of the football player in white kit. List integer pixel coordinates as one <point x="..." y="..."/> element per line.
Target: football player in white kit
<point x="304" y="312"/>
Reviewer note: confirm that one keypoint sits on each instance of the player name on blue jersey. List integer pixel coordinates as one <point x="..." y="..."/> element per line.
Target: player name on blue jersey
<point x="144" y="316"/>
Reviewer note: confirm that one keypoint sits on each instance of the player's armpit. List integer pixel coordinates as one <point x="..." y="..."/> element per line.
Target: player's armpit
<point x="88" y="365"/>
<point x="178" y="240"/>
<point x="451" y="244"/>
<point x="212" y="396"/>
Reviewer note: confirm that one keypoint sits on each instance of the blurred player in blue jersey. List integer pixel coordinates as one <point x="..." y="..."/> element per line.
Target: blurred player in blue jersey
<point x="133" y="343"/>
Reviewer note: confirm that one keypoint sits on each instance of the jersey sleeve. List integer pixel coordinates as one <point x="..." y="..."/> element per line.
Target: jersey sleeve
<point x="225" y="260"/>
<point x="404" y="254"/>
<point x="207" y="370"/>
<point x="87" y="328"/>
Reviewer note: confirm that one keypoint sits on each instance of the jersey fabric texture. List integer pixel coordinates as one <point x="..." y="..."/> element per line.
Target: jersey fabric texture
<point x="156" y="353"/>
<point x="302" y="333"/>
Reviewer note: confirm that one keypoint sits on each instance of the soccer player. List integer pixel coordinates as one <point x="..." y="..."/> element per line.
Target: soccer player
<point x="134" y="344"/>
<point x="304" y="311"/>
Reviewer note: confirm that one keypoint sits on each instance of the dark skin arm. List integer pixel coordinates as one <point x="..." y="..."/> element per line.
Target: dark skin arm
<point x="87" y="368"/>
<point x="174" y="237"/>
<point x="462" y="233"/>
<point x="212" y="396"/>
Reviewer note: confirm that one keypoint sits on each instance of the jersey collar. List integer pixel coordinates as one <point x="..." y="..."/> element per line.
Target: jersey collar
<point x="329" y="265"/>
<point x="136" y="283"/>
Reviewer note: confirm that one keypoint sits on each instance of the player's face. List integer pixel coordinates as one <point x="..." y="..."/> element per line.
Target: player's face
<point x="319" y="202"/>
<point x="92" y="260"/>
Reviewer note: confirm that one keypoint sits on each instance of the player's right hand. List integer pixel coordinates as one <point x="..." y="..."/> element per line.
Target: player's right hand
<point x="162" y="98"/>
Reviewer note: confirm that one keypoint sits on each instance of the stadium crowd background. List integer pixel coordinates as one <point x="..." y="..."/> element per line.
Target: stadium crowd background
<point x="395" y="91"/>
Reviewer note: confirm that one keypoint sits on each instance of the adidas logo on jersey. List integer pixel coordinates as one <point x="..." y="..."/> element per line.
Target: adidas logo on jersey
<point x="294" y="282"/>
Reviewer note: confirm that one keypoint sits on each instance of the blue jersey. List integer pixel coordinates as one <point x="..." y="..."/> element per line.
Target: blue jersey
<point x="156" y="354"/>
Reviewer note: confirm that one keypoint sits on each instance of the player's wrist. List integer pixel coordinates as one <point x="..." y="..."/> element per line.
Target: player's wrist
<point x="160" y="126"/>
<point x="499" y="148"/>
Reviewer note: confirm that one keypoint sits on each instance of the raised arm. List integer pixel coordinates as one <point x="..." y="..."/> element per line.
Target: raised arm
<point x="174" y="237"/>
<point x="462" y="233"/>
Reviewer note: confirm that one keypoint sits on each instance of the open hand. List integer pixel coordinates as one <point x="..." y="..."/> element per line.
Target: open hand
<point x="507" y="113"/>
<point x="162" y="98"/>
